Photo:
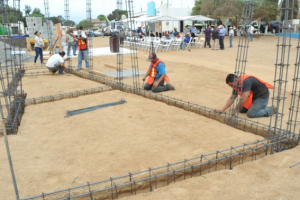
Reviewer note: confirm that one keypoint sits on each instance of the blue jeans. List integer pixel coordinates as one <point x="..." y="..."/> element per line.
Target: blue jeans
<point x="259" y="108"/>
<point x="183" y="45"/>
<point x="57" y="67"/>
<point x="231" y="38"/>
<point x="38" y="52"/>
<point x="103" y="35"/>
<point x="71" y="44"/>
<point x="251" y="37"/>
<point x="75" y="48"/>
<point x="83" y="55"/>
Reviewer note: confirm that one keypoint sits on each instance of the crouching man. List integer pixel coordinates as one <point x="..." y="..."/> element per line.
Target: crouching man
<point x="156" y="75"/>
<point x="56" y="63"/>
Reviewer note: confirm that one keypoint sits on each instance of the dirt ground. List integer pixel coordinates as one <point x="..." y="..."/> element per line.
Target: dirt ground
<point x="51" y="152"/>
<point x="126" y="138"/>
<point x="268" y="178"/>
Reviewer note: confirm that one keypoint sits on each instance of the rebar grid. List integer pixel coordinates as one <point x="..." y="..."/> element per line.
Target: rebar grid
<point x="244" y="124"/>
<point x="241" y="60"/>
<point x="75" y="94"/>
<point x="153" y="178"/>
<point x="282" y="67"/>
<point x="10" y="73"/>
<point x="48" y="23"/>
<point x="133" y="47"/>
<point x="120" y="65"/>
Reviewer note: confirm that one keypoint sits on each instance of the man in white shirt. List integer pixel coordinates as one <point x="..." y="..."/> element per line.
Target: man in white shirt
<point x="251" y="31"/>
<point x="56" y="63"/>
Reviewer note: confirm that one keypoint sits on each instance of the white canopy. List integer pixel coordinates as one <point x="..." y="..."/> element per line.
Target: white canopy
<point x="152" y="19"/>
<point x="195" y="17"/>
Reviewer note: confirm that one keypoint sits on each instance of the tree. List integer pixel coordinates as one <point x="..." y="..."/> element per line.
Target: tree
<point x="207" y="7"/>
<point x="69" y="23"/>
<point x="27" y="10"/>
<point x="117" y="15"/>
<point x="197" y="7"/>
<point x="266" y="10"/>
<point x="55" y="20"/>
<point x="102" y="18"/>
<point x="85" y="24"/>
<point x="229" y="8"/>
<point x="37" y="13"/>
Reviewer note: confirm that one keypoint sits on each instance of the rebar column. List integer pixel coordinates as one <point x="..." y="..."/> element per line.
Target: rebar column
<point x="90" y="39"/>
<point x="133" y="47"/>
<point x="67" y="18"/>
<point x="241" y="60"/>
<point x="281" y="69"/>
<point x="48" y="22"/>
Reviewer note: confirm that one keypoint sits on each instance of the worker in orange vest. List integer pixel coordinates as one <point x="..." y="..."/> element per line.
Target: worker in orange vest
<point x="82" y="47"/>
<point x="254" y="94"/>
<point x="156" y="75"/>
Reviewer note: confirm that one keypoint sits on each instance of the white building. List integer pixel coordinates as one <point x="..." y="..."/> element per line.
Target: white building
<point x="36" y="24"/>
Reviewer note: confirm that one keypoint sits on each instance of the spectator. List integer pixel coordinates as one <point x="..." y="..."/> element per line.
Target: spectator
<point x="151" y="34"/>
<point x="222" y="33"/>
<point x="147" y="31"/>
<point x="215" y="37"/>
<point x="139" y="30"/>
<point x="38" y="46"/>
<point x="122" y="36"/>
<point x="207" y="36"/>
<point x="228" y="24"/>
<point x="251" y="31"/>
<point x="175" y="32"/>
<point x="186" y="30"/>
<point x="178" y="35"/>
<point x="185" y="42"/>
<point x="102" y="32"/>
<point x="231" y="35"/>
<point x="193" y="31"/>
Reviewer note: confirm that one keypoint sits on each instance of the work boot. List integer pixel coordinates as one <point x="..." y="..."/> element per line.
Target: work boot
<point x="170" y="87"/>
<point x="274" y="110"/>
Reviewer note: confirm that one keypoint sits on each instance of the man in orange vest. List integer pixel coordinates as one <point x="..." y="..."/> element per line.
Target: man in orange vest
<point x="254" y="94"/>
<point x="82" y="47"/>
<point x="156" y="75"/>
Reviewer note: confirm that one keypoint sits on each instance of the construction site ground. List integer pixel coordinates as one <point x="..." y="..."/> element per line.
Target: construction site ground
<point x="51" y="152"/>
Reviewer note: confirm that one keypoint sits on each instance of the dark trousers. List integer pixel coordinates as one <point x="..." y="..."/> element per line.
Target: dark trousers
<point x="222" y="42"/>
<point x="207" y="41"/>
<point x="38" y="52"/>
<point x="160" y="88"/>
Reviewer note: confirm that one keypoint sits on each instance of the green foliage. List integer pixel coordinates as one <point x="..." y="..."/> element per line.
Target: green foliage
<point x="14" y="15"/>
<point x="85" y="24"/>
<point x="296" y="9"/>
<point x="266" y="10"/>
<point x="102" y="18"/>
<point x="27" y="10"/>
<point x="69" y="23"/>
<point x="117" y="14"/>
<point x="196" y="10"/>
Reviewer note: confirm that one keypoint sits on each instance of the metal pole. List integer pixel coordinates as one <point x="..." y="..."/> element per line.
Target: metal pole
<point x="10" y="161"/>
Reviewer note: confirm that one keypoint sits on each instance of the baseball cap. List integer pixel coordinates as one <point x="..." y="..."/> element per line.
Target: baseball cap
<point x="62" y="53"/>
<point x="151" y="56"/>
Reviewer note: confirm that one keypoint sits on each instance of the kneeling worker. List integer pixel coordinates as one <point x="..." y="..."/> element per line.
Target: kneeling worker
<point x="254" y="94"/>
<point x="157" y="75"/>
<point x="56" y="63"/>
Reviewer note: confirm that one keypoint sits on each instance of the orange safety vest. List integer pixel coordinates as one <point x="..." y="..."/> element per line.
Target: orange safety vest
<point x="153" y="72"/>
<point x="82" y="45"/>
<point x="249" y="100"/>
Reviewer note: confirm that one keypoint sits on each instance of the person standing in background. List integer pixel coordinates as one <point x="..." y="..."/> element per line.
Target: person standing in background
<point x="231" y="35"/>
<point x="70" y="43"/>
<point x="222" y="33"/>
<point x="207" y="36"/>
<point x="38" y="46"/>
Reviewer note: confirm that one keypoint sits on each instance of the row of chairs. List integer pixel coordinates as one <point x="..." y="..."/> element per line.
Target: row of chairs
<point x="163" y="44"/>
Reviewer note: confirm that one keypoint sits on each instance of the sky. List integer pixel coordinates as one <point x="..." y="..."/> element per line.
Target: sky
<point x="77" y="8"/>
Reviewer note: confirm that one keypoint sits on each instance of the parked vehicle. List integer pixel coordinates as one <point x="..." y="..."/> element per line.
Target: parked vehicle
<point x="202" y="24"/>
<point x="262" y="26"/>
<point x="90" y="33"/>
<point x="98" y="33"/>
<point x="275" y="26"/>
<point x="120" y="27"/>
<point x="107" y="31"/>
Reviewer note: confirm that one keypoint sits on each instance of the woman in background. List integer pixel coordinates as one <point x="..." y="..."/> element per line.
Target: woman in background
<point x="38" y="46"/>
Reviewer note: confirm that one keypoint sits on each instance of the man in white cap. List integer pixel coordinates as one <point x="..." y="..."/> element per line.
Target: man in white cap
<point x="157" y="75"/>
<point x="231" y="35"/>
<point x="56" y="63"/>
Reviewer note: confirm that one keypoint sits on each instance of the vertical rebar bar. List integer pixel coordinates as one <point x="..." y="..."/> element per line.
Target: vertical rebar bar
<point x="90" y="38"/>
<point x="48" y="22"/>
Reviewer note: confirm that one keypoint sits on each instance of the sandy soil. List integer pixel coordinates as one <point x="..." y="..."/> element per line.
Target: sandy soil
<point x="267" y="178"/>
<point x="51" y="152"/>
<point x="37" y="86"/>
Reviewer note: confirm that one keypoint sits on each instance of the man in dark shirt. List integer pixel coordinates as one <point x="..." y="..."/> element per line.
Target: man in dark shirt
<point x="207" y="36"/>
<point x="215" y="37"/>
<point x="254" y="96"/>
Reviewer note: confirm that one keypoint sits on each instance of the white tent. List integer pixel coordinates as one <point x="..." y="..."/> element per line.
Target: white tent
<point x="152" y="19"/>
<point x="194" y="18"/>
